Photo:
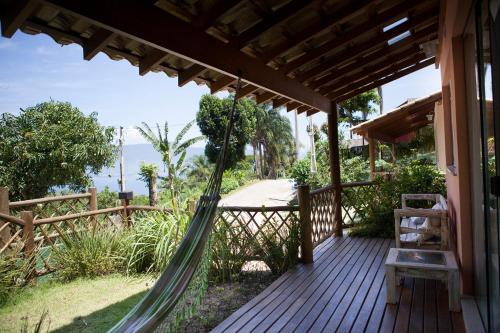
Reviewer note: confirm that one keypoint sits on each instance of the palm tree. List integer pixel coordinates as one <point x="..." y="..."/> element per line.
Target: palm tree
<point x="148" y="172"/>
<point x="173" y="153"/>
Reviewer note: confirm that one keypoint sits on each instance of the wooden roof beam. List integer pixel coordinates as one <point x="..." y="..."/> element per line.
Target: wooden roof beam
<point x="343" y="56"/>
<point x="189" y="74"/>
<point x="292" y="106"/>
<point x="271" y="21"/>
<point x="221" y="84"/>
<point x="96" y="43"/>
<point x="247" y="90"/>
<point x="16" y="13"/>
<point x="265" y="97"/>
<point x="350" y="8"/>
<point x="303" y="108"/>
<point x="279" y="102"/>
<point x="387" y="17"/>
<point x="208" y="18"/>
<point x="370" y="73"/>
<point x="147" y="24"/>
<point x="385" y="80"/>
<point x="154" y="58"/>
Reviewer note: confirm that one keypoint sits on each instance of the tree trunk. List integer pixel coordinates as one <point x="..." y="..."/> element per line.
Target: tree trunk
<point x="262" y="162"/>
<point x="153" y="193"/>
<point x="258" y="170"/>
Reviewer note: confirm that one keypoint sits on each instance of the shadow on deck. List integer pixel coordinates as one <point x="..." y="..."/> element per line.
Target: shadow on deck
<point x="344" y="291"/>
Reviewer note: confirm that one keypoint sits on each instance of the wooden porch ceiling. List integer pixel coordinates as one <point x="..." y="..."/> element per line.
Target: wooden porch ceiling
<point x="405" y="119"/>
<point x="299" y="53"/>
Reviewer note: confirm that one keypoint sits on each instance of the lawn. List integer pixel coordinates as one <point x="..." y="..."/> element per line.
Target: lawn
<point x="79" y="306"/>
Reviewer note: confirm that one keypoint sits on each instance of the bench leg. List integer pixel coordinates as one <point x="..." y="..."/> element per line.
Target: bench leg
<point x="390" y="278"/>
<point x="453" y="291"/>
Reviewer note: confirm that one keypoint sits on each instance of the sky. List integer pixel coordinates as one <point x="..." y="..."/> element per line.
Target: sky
<point x="34" y="69"/>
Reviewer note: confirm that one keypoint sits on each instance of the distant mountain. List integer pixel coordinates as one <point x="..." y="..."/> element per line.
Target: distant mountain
<point x="133" y="156"/>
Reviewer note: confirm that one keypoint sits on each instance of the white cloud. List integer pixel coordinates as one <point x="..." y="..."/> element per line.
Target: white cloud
<point x="6" y="44"/>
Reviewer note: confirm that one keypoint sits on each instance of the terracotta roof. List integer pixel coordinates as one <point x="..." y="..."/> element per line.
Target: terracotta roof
<point x="299" y="53"/>
<point x="403" y="120"/>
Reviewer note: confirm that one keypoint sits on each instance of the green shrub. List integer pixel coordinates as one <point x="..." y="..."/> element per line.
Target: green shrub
<point x="91" y="253"/>
<point x="14" y="272"/>
<point x="107" y="198"/>
<point x="153" y="239"/>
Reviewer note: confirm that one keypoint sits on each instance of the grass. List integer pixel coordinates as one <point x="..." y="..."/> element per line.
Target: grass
<point x="82" y="305"/>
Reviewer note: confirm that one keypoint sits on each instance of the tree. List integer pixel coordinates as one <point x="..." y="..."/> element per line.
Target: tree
<point x="52" y="144"/>
<point x="212" y="119"/>
<point x="173" y="154"/>
<point x="148" y="172"/>
<point x="356" y="109"/>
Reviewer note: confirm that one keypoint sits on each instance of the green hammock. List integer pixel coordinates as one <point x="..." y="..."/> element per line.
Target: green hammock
<point x="149" y="313"/>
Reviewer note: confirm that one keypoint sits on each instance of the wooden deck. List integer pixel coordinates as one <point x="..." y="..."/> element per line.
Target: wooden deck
<point x="344" y="291"/>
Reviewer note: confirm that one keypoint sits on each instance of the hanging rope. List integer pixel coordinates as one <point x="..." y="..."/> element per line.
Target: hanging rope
<point x="149" y="313"/>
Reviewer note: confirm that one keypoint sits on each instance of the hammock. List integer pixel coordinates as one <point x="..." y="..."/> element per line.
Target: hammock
<point x="149" y="313"/>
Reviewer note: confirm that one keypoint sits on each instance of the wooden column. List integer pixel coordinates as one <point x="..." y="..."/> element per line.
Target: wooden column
<point x="306" y="243"/>
<point x="4" y="209"/>
<point x="371" y="146"/>
<point x="333" y="145"/>
<point x="394" y="157"/>
<point x="93" y="204"/>
<point x="28" y="233"/>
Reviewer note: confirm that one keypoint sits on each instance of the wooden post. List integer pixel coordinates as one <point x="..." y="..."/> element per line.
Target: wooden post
<point x="191" y="206"/>
<point x="393" y="147"/>
<point x="125" y="217"/>
<point x="333" y="144"/>
<point x="371" y="146"/>
<point x="4" y="209"/>
<point x="93" y="204"/>
<point x="306" y="243"/>
<point x="28" y="233"/>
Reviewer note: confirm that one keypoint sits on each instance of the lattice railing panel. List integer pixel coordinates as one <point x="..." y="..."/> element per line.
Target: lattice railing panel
<point x="52" y="206"/>
<point x="357" y="201"/>
<point x="12" y="236"/>
<point x="322" y="214"/>
<point x="252" y="233"/>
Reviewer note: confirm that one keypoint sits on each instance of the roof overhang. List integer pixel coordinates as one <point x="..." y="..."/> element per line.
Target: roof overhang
<point x="304" y="54"/>
<point x="405" y="119"/>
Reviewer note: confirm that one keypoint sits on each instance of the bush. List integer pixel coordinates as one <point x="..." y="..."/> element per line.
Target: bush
<point x="153" y="239"/>
<point x="91" y="253"/>
<point x="14" y="272"/>
<point x="107" y="198"/>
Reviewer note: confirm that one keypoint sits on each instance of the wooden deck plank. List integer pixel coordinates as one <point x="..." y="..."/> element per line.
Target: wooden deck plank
<point x="351" y="289"/>
<point x="369" y="282"/>
<point x="321" y="252"/>
<point x="417" y="307"/>
<point x="345" y="291"/>
<point x="284" y="300"/>
<point x="430" y="317"/>
<point x="294" y="315"/>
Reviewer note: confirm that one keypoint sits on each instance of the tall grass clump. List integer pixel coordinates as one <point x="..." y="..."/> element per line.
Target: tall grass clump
<point x="14" y="272"/>
<point x="153" y="239"/>
<point x="91" y="253"/>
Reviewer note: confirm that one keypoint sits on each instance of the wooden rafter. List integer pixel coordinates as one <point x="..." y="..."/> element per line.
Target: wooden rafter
<point x="15" y="15"/>
<point x="387" y="17"/>
<point x="370" y="73"/>
<point x="350" y="8"/>
<point x="148" y="24"/>
<point x="265" y="97"/>
<point x="208" y="18"/>
<point x="279" y="102"/>
<point x="190" y="73"/>
<point x="292" y="106"/>
<point x="221" y="84"/>
<point x="247" y="90"/>
<point x="363" y="48"/>
<point x="272" y="20"/>
<point x="303" y="108"/>
<point x="385" y="80"/>
<point x="155" y="57"/>
<point x="96" y="43"/>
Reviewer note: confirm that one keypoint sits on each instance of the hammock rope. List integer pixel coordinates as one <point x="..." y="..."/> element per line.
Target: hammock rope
<point x="156" y="305"/>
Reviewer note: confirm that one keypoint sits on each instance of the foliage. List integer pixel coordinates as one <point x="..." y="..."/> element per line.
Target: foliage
<point x="238" y="176"/>
<point x="107" y="198"/>
<point x="356" y="109"/>
<point x="173" y="154"/>
<point x="148" y="173"/>
<point x="90" y="253"/>
<point x="212" y="119"/>
<point x="14" y="271"/>
<point x="153" y="239"/>
<point x="411" y="176"/>
<point x="52" y="144"/>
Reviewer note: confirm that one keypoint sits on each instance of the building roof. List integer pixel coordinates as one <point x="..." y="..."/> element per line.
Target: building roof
<point x="299" y="53"/>
<point x="405" y="119"/>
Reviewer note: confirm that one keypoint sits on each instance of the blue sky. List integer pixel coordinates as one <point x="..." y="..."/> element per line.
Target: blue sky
<point x="35" y="68"/>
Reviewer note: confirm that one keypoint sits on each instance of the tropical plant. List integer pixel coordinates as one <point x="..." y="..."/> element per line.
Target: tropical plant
<point x="91" y="253"/>
<point x="52" y="144"/>
<point x="107" y="198"/>
<point x="356" y="109"/>
<point x="14" y="272"/>
<point x="148" y="173"/>
<point x="173" y="154"/>
<point x="212" y="119"/>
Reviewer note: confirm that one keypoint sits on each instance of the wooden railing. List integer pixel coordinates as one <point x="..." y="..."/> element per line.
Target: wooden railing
<point x="356" y="200"/>
<point x="250" y="233"/>
<point x="322" y="213"/>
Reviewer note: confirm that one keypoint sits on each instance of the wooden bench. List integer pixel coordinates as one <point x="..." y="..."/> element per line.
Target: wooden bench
<point x="426" y="264"/>
<point x="409" y="233"/>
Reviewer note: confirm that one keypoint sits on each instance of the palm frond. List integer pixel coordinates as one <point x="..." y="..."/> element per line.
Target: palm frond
<point x="187" y="143"/>
<point x="183" y="132"/>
